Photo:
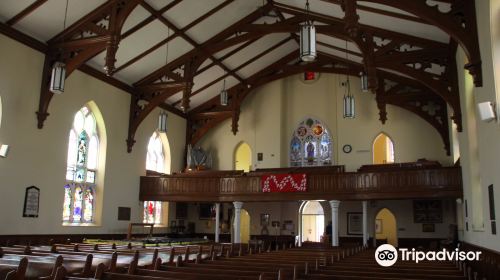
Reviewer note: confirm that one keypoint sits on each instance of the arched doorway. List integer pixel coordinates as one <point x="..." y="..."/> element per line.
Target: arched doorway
<point x="386" y="227"/>
<point x="312" y="221"/>
<point x="244" y="226"/>
<point x="243" y="157"/>
<point x="383" y="149"/>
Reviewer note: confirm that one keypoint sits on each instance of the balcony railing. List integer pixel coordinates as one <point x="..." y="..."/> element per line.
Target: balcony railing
<point x="231" y="186"/>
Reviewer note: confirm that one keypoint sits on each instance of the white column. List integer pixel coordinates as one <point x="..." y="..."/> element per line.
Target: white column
<point x="334" y="204"/>
<point x="217" y="215"/>
<point x="237" y="222"/>
<point x="365" y="223"/>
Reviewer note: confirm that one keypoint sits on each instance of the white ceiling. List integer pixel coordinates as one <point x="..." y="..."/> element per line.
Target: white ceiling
<point x="47" y="21"/>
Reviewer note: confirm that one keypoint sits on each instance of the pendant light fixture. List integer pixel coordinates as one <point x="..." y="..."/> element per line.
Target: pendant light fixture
<point x="162" y="117"/>
<point x="58" y="74"/>
<point x="162" y="122"/>
<point x="307" y="38"/>
<point x="364" y="81"/>
<point x="349" y="102"/>
<point x="223" y="94"/>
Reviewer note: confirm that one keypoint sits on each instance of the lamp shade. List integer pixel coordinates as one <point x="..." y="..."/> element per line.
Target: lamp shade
<point x="349" y="109"/>
<point x="57" y="78"/>
<point x="364" y="81"/>
<point x="307" y="41"/>
<point x="223" y="97"/>
<point x="162" y="122"/>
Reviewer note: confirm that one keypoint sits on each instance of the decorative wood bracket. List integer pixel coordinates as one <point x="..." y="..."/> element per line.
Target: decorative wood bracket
<point x="459" y="22"/>
<point x="94" y="33"/>
<point x="149" y="97"/>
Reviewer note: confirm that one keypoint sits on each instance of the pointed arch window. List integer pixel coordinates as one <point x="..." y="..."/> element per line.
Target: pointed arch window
<point x="311" y="144"/>
<point x="155" y="161"/>
<point x="83" y="154"/>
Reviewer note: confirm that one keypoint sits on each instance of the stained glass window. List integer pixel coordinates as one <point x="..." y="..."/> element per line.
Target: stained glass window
<point x="311" y="144"/>
<point x="155" y="161"/>
<point x="152" y="212"/>
<point x="83" y="154"/>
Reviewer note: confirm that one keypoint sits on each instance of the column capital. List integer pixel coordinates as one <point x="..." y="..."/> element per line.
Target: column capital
<point x="459" y="200"/>
<point x="334" y="203"/>
<point x="237" y="204"/>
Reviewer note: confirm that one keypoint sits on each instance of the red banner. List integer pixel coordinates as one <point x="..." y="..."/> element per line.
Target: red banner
<point x="284" y="183"/>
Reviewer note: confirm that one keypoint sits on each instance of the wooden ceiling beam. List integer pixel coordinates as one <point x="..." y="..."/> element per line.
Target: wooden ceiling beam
<point x="223" y="35"/>
<point x="24" y="13"/>
<point x="229" y="54"/>
<point x="460" y="23"/>
<point x="187" y="38"/>
<point x="149" y="19"/>
<point x="241" y="66"/>
<point x="174" y="35"/>
<point x="381" y="12"/>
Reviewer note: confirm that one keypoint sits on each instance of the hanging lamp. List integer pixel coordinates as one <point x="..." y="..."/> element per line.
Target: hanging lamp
<point x="58" y="74"/>
<point x="162" y="122"/>
<point x="307" y="38"/>
<point x="364" y="81"/>
<point x="349" y="102"/>
<point x="223" y="94"/>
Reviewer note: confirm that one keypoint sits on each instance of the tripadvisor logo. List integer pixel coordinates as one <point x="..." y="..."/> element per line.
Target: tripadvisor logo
<point x="386" y="255"/>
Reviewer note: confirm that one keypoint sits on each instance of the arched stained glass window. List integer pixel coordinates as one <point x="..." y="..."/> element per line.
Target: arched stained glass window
<point x="155" y="159"/>
<point x="311" y="144"/>
<point x="83" y="154"/>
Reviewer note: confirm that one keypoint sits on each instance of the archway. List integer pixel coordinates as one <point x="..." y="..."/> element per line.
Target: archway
<point x="383" y="149"/>
<point x="312" y="218"/>
<point x="244" y="226"/>
<point x="243" y="157"/>
<point x="386" y="227"/>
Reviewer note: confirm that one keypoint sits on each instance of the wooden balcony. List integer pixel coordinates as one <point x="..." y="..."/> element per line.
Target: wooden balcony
<point x="435" y="182"/>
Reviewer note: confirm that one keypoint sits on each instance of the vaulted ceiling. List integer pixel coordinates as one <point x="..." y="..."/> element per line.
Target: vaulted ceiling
<point x="176" y="54"/>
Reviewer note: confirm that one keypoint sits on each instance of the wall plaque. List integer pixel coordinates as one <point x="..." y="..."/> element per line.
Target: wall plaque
<point x="31" y="202"/>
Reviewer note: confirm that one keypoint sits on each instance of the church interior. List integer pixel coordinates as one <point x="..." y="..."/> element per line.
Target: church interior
<point x="248" y="139"/>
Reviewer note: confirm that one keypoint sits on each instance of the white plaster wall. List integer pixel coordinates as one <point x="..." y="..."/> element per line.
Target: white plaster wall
<point x="487" y="134"/>
<point x="38" y="157"/>
<point x="270" y="115"/>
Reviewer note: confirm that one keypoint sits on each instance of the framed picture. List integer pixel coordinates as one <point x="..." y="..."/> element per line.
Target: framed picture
<point x="355" y="223"/>
<point x="264" y="219"/>
<point x="427" y="211"/>
<point x="31" y="202"/>
<point x="378" y="226"/>
<point x="428" y="228"/>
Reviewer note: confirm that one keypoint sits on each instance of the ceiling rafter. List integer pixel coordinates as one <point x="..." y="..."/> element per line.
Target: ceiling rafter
<point x="186" y="37"/>
<point x="174" y="35"/>
<point x="149" y="19"/>
<point x="24" y="13"/>
<point x="223" y="35"/>
<point x="239" y="67"/>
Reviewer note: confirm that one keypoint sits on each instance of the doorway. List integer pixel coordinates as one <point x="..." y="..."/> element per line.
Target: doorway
<point x="313" y="221"/>
<point x="383" y="149"/>
<point x="386" y="227"/>
<point x="243" y="157"/>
